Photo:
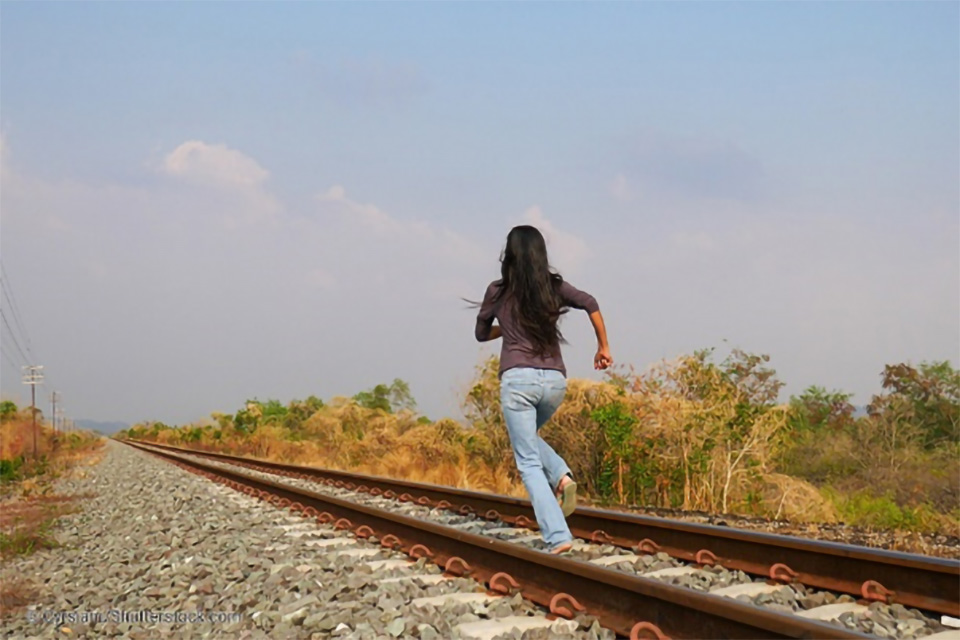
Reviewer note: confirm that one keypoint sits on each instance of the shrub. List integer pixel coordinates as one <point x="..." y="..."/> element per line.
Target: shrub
<point x="9" y="469"/>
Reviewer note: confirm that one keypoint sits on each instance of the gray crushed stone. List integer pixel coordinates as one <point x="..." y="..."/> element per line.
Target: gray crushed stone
<point x="161" y="552"/>
<point x="880" y="619"/>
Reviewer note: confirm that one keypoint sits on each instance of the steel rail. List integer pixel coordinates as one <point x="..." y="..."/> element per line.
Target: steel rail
<point x="913" y="580"/>
<point x="620" y="602"/>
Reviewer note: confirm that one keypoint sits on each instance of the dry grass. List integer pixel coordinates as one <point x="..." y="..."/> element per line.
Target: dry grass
<point x="688" y="434"/>
<point x="789" y="498"/>
<point x="16" y="438"/>
<point x="22" y="472"/>
<point x="25" y="525"/>
<point x="348" y="437"/>
<point x="30" y="507"/>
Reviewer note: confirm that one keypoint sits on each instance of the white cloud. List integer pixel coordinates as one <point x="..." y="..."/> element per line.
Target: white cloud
<point x="424" y="235"/>
<point x="567" y="250"/>
<point x="369" y="215"/>
<point x="228" y="172"/>
<point x="213" y="164"/>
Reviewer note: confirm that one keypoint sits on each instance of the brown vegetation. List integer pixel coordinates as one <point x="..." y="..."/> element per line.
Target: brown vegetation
<point x="30" y="508"/>
<point x="691" y="434"/>
<point x="25" y="524"/>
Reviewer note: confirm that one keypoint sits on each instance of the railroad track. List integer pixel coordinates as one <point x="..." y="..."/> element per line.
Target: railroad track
<point x="606" y="579"/>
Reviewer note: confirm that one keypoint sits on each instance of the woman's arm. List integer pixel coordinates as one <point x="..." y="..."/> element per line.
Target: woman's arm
<point x="577" y="299"/>
<point x="485" y="330"/>
<point x="603" y="359"/>
<point x="494" y="333"/>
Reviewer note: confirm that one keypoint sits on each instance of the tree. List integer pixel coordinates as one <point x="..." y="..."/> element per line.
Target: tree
<point x="299" y="411"/>
<point x="816" y="408"/>
<point x="272" y="411"/>
<point x="390" y="398"/>
<point x="248" y="419"/>
<point x="224" y="420"/>
<point x="931" y="390"/>
<point x="7" y="410"/>
<point x="717" y="425"/>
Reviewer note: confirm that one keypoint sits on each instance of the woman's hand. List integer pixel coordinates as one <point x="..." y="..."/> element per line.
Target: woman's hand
<point x="603" y="359"/>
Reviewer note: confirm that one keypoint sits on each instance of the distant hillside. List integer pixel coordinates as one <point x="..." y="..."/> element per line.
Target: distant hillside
<point x="106" y="428"/>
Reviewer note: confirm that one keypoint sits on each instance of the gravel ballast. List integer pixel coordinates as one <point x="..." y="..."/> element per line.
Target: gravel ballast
<point x="881" y="620"/>
<point x="161" y="552"/>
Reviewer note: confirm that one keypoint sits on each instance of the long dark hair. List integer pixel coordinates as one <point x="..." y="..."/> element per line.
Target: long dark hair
<point x="533" y="288"/>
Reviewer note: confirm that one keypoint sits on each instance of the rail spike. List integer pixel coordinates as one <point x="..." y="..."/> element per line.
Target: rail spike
<point x="523" y="521"/>
<point x="649" y="630"/>
<point x="342" y="523"/>
<point x="782" y="573"/>
<point x="465" y="568"/>
<point x="363" y="531"/>
<point x="418" y="551"/>
<point x="874" y="591"/>
<point x="390" y="541"/>
<point x="558" y="609"/>
<point x="648" y="546"/>
<point x="600" y="537"/>
<point x="424" y="501"/>
<point x="511" y="586"/>
<point x="706" y="558"/>
<point x="492" y="515"/>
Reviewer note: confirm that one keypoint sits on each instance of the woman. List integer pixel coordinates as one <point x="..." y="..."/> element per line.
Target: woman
<point x="527" y="302"/>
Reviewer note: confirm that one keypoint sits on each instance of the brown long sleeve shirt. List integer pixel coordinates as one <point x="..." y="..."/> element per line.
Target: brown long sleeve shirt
<point x="517" y="349"/>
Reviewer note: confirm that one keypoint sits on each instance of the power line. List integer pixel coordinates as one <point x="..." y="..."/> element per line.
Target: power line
<point x="12" y="336"/>
<point x="9" y="361"/>
<point x="29" y="363"/>
<point x="5" y="344"/>
<point x="11" y="300"/>
<point x="14" y="362"/>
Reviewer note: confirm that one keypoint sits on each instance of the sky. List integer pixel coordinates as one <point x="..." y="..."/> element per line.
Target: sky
<point x="202" y="203"/>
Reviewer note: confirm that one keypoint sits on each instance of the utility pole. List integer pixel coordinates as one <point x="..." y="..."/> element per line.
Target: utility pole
<point x="53" y="414"/>
<point x="33" y="376"/>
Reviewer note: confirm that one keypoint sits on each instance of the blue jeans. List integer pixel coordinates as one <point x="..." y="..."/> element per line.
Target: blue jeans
<point x="529" y="397"/>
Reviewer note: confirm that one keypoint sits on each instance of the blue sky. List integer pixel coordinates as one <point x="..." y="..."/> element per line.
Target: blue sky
<point x="222" y="200"/>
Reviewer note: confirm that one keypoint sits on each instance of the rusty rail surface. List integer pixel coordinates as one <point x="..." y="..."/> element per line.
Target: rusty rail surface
<point x="913" y="580"/>
<point x="629" y="605"/>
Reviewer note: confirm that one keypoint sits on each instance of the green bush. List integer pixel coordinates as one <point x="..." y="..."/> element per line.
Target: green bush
<point x="882" y="512"/>
<point x="10" y="469"/>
